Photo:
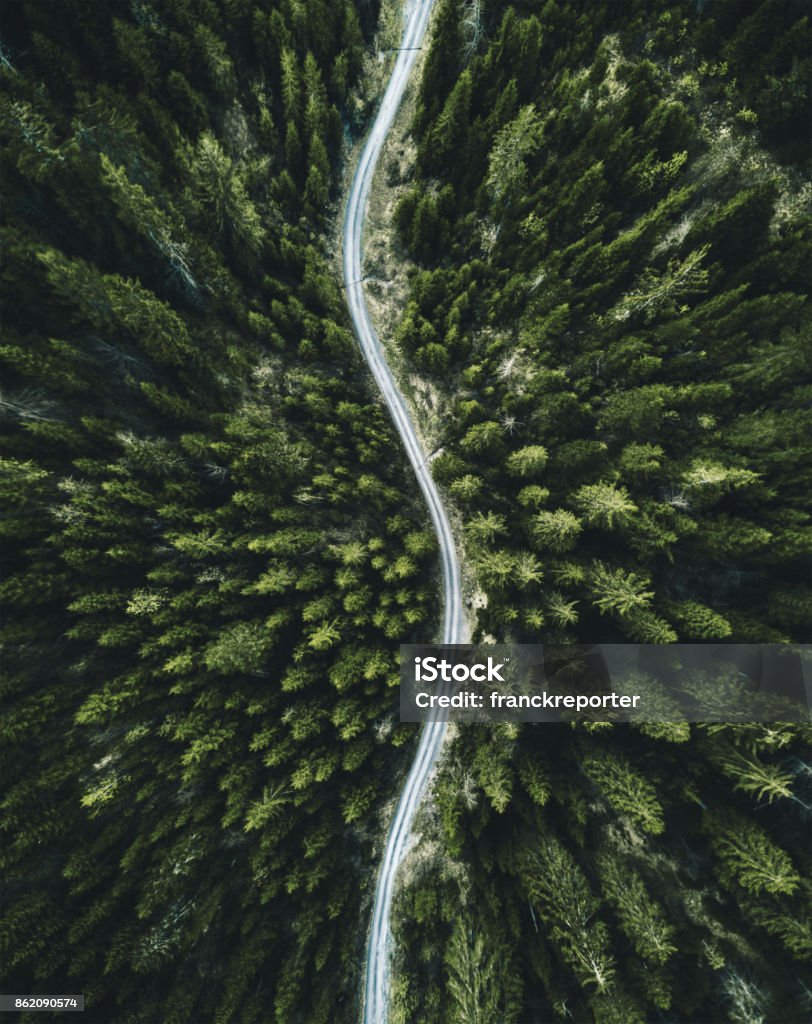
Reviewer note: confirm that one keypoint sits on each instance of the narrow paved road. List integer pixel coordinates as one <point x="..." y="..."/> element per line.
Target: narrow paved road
<point x="376" y="984"/>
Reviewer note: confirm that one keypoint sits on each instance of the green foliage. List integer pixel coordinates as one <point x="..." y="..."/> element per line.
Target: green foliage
<point x="697" y="622"/>
<point x="628" y="792"/>
<point x="604" y="505"/>
<point x="210" y="554"/>
<point x="481" y="982"/>
<point x="641" y="918"/>
<point x="616" y="591"/>
<point x="207" y="534"/>
<point x="750" y="859"/>
<point x="558" y="888"/>
<point x="528" y="461"/>
<point x="556" y="530"/>
<point x="628" y="344"/>
<point x="619" y="296"/>
<point x="507" y="160"/>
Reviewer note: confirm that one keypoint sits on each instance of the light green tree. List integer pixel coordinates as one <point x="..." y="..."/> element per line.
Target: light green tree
<point x="749" y="857"/>
<point x="481" y="981"/>
<point x="604" y="504"/>
<point x="507" y="161"/>
<point x="557" y="530"/>
<point x="528" y="461"/>
<point x="618" y="591"/>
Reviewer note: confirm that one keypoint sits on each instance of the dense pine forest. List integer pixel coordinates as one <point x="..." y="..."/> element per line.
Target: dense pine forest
<point x="212" y="550"/>
<point x="607" y="212"/>
<point x="213" y="547"/>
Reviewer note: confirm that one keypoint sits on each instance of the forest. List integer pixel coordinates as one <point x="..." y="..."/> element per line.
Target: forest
<point x="213" y="547"/>
<point x="210" y="551"/>
<point x="607" y="214"/>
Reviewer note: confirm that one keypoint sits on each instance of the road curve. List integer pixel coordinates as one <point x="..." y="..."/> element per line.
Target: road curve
<point x="376" y="980"/>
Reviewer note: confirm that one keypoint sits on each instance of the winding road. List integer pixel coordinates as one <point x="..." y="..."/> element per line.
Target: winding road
<point x="376" y="983"/>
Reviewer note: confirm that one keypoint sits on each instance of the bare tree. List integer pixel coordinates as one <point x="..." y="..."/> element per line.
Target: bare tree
<point x="472" y="26"/>
<point x="29" y="404"/>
